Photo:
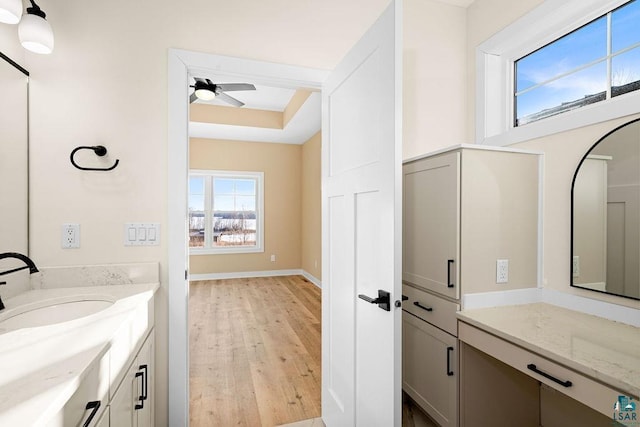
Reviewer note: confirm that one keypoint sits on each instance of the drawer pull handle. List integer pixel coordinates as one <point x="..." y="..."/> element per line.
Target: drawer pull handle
<point x="94" y="406"/>
<point x="417" y="304"/>
<point x="535" y="369"/>
<point x="449" y="264"/>
<point x="141" y="398"/>
<point x="449" y="351"/>
<point x="404" y="297"/>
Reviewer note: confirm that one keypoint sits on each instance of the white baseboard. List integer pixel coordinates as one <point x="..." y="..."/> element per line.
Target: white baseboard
<point x="244" y="274"/>
<point x="312" y="279"/>
<point x="265" y="273"/>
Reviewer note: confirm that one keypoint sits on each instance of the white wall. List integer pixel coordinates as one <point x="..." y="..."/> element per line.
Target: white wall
<point x="106" y="83"/>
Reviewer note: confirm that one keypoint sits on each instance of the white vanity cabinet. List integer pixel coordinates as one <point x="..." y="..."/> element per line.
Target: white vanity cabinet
<point x="132" y="402"/>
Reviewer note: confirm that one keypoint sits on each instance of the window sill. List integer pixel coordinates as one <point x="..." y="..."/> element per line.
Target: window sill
<point x="224" y="251"/>
<point x="611" y="109"/>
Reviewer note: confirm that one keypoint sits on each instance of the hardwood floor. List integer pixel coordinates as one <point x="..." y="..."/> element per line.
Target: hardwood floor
<point x="254" y="351"/>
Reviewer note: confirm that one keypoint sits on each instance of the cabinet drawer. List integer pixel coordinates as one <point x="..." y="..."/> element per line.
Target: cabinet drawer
<point x="583" y="389"/>
<point x="435" y="310"/>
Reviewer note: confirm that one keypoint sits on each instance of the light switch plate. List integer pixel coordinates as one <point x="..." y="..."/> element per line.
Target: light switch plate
<point x="142" y="234"/>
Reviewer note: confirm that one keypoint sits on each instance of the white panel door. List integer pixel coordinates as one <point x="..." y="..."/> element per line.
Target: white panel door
<point x="361" y="215"/>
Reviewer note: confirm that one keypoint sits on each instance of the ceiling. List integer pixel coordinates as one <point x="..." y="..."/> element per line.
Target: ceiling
<point x="265" y="100"/>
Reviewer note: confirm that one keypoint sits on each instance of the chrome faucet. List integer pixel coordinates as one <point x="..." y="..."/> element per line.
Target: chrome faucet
<point x="28" y="264"/>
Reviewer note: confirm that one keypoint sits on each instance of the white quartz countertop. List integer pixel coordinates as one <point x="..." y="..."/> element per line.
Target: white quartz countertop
<point x="602" y="349"/>
<point x="43" y="366"/>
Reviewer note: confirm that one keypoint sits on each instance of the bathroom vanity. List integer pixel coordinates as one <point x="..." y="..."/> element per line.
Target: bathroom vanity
<point x="540" y="364"/>
<point x="79" y="355"/>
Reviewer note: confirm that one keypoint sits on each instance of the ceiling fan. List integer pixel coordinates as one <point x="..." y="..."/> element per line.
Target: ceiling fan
<point x="206" y="90"/>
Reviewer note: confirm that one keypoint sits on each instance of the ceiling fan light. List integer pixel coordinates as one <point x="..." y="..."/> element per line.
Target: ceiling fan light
<point x="35" y="33"/>
<point x="205" y="94"/>
<point x="10" y="11"/>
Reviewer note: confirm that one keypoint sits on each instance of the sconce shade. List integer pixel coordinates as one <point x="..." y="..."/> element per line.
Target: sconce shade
<point x="35" y="33"/>
<point x="10" y="11"/>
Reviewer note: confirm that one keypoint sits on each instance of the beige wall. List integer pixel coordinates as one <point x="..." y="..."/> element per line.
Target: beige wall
<point x="434" y="76"/>
<point x="282" y="167"/>
<point x="311" y="207"/>
<point x="562" y="151"/>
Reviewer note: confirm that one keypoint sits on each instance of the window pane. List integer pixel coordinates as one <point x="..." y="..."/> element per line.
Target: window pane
<point x="625" y="72"/>
<point x="223" y="186"/>
<point x="196" y="211"/>
<point x="235" y="229"/>
<point x="624" y="26"/>
<point x="246" y="186"/>
<point x="196" y="185"/>
<point x="568" y="93"/>
<point x="223" y="203"/>
<point x="578" y="48"/>
<point x="245" y="203"/>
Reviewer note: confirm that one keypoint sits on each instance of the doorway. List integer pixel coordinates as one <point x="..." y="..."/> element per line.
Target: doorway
<point x="181" y="65"/>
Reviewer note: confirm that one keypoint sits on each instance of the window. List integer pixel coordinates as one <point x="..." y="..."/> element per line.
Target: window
<point x="596" y="62"/>
<point x="225" y="212"/>
<point x="579" y="58"/>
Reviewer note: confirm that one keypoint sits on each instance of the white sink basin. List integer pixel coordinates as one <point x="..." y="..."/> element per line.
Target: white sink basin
<point x="57" y="312"/>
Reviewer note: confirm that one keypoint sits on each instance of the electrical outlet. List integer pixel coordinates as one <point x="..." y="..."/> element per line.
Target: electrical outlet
<point x="502" y="271"/>
<point x="273" y="258"/>
<point x="576" y="266"/>
<point x="70" y="236"/>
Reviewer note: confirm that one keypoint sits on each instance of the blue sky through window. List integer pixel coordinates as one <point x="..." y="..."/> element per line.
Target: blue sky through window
<point x="541" y="83"/>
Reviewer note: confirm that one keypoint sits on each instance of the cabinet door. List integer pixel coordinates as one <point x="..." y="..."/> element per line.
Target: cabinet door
<point x="431" y="223"/>
<point x="132" y="403"/>
<point x="145" y="364"/>
<point x="124" y="399"/>
<point x="104" y="420"/>
<point x="430" y="369"/>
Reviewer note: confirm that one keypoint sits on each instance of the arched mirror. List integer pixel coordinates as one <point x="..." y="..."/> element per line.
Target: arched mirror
<point x="605" y="209"/>
<point x="14" y="149"/>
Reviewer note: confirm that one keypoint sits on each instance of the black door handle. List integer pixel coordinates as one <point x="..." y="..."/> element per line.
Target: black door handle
<point x="383" y="300"/>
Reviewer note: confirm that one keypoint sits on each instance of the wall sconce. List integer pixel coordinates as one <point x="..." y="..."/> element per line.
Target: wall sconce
<point x="10" y="11"/>
<point x="34" y="31"/>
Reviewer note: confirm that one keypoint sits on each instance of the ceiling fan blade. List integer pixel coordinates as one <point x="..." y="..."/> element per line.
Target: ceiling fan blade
<point x="192" y="98"/>
<point x="229" y="99"/>
<point x="228" y="87"/>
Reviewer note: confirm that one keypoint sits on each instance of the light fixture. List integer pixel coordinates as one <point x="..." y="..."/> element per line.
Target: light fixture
<point x="34" y="31"/>
<point x="10" y="11"/>
<point x="204" y="91"/>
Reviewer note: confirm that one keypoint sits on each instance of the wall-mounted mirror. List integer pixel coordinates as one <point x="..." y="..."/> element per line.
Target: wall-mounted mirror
<point x="605" y="208"/>
<point x="14" y="155"/>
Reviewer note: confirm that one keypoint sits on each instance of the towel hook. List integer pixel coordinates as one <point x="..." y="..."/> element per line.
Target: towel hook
<point x="100" y="151"/>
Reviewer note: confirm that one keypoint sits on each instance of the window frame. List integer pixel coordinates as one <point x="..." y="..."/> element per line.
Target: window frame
<point x="210" y="175"/>
<point x="495" y="74"/>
